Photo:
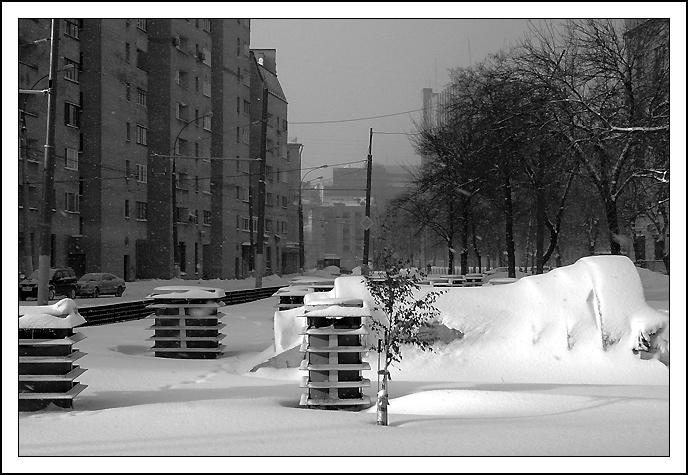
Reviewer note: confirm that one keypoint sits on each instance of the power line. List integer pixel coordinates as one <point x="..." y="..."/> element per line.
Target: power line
<point x="354" y="120"/>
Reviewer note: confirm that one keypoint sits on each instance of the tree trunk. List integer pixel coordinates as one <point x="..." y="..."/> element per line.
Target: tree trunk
<point x="508" y="218"/>
<point x="613" y="223"/>
<point x="450" y="238"/>
<point x="540" y="218"/>
<point x="475" y="249"/>
<point x="464" y="235"/>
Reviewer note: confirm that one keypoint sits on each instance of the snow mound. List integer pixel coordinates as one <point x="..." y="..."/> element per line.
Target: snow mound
<point x="61" y="314"/>
<point x="578" y="323"/>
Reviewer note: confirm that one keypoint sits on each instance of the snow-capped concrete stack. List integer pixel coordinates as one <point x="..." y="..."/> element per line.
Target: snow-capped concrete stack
<point x="47" y="372"/>
<point x="187" y="322"/>
<point x="292" y="296"/>
<point x="334" y="345"/>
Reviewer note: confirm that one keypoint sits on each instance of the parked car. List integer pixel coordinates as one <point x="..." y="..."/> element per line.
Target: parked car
<point x="95" y="284"/>
<point x="62" y="281"/>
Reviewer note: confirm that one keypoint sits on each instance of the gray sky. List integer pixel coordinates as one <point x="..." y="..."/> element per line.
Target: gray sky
<point x="344" y="69"/>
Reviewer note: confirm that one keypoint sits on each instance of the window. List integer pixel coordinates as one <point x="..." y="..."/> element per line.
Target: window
<point x="246" y="79"/>
<point x="141" y="210"/>
<point x="141" y="173"/>
<point x="245" y="224"/>
<point x="180" y="42"/>
<point x="205" y="56"/>
<point x="127" y="93"/>
<point x="206" y="88"/>
<point x="182" y="112"/>
<point x="141" y="97"/>
<point x="71" y="114"/>
<point x="206" y="122"/>
<point x="72" y="74"/>
<point x="284" y="202"/>
<point x="127" y="52"/>
<point x="128" y="134"/>
<point x="268" y="199"/>
<point x="181" y="147"/>
<point x="72" y="28"/>
<point x="268" y="225"/>
<point x="246" y="135"/>
<point x="247" y="108"/>
<point x="238" y="48"/>
<point x="71" y="159"/>
<point x="198" y="84"/>
<point x="71" y="202"/>
<point x="126" y="209"/>
<point x="141" y="59"/>
<point x="182" y="181"/>
<point x="238" y="104"/>
<point x="127" y="169"/>
<point x="269" y="174"/>
<point x="206" y="218"/>
<point x="183" y="78"/>
<point x="238" y="134"/>
<point x="196" y="184"/>
<point x="142" y="24"/>
<point x="141" y="133"/>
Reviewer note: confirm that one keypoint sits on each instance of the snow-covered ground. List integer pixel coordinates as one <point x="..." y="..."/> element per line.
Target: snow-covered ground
<point x="530" y="378"/>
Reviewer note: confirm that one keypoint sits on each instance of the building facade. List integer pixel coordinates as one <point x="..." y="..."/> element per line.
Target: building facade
<point x="154" y="146"/>
<point x="334" y="213"/>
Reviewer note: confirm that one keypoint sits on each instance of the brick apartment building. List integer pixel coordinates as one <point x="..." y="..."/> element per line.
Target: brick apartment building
<point x="143" y="105"/>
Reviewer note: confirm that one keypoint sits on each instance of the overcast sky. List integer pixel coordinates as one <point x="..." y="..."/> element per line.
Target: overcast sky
<point x="343" y="71"/>
<point x="343" y="74"/>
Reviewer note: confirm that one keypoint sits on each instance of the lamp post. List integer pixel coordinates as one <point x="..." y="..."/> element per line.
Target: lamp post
<point x="48" y="172"/>
<point x="177" y="270"/>
<point x="302" y="252"/>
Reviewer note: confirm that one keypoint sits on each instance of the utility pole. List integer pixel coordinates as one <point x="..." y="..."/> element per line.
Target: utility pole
<point x="48" y="171"/>
<point x="260" y="262"/>
<point x="366" y="234"/>
<point x="26" y="248"/>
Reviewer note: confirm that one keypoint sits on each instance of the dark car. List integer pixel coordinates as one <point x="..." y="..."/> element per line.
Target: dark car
<point x="96" y="284"/>
<point x="62" y="281"/>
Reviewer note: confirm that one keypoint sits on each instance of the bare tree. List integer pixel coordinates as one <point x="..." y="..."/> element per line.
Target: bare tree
<point x="607" y="110"/>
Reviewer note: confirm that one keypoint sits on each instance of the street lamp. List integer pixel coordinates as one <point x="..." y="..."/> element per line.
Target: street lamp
<point x="302" y="252"/>
<point x="177" y="271"/>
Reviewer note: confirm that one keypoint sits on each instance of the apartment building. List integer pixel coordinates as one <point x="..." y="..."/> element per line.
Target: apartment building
<point x="154" y="146"/>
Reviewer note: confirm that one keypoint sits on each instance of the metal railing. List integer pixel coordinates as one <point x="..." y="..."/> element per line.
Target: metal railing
<point x="138" y="309"/>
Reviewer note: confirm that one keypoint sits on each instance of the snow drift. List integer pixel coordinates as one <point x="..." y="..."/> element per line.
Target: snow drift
<point x="552" y="327"/>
